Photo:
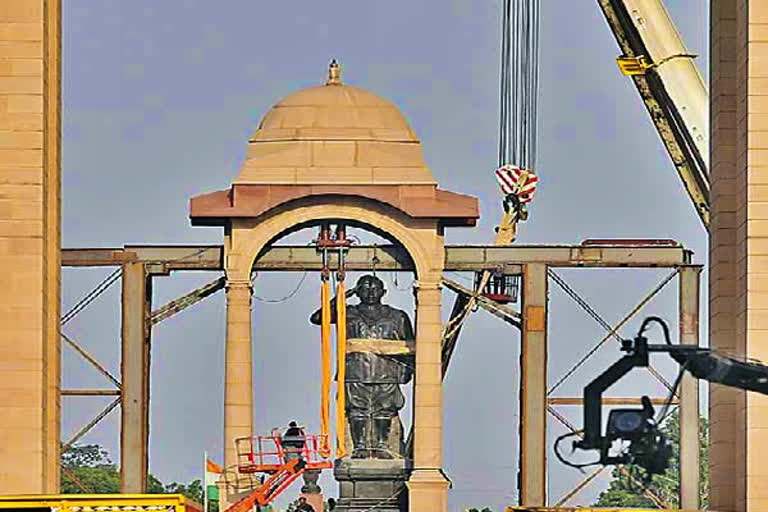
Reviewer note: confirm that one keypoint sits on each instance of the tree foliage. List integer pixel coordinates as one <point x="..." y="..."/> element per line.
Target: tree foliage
<point x="92" y="468"/>
<point x="192" y="490"/>
<point x="622" y="492"/>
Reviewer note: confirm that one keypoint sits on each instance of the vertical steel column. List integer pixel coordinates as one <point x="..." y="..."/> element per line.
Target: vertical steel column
<point x="532" y="477"/>
<point x="689" y="390"/>
<point x="134" y="432"/>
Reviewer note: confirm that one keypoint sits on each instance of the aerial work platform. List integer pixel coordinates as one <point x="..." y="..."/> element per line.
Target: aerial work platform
<point x="273" y="456"/>
<point x="269" y="454"/>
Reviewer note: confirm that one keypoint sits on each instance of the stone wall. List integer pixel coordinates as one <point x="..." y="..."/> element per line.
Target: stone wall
<point x="739" y="246"/>
<point x="29" y="245"/>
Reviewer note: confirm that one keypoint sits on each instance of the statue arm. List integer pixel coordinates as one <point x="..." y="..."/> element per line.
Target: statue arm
<point x="316" y="317"/>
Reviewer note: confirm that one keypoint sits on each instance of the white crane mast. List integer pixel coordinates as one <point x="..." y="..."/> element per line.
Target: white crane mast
<point x="670" y="85"/>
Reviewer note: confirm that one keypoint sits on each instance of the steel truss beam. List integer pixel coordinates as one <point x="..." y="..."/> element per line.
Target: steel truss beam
<point x="532" y="465"/>
<point x="613" y="333"/>
<point x="161" y="260"/>
<point x="90" y="392"/>
<point x="178" y="305"/>
<point x="609" y="401"/>
<point x="506" y="313"/>
<point x="579" y="487"/>
<point x="80" y="433"/>
<point x="91" y="360"/>
<point x="458" y="258"/>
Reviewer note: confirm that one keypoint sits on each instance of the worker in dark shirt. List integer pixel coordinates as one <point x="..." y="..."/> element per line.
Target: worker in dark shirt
<point x="304" y="506"/>
<point x="293" y="441"/>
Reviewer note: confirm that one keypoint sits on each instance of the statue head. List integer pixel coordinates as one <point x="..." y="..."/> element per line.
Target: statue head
<point x="370" y="289"/>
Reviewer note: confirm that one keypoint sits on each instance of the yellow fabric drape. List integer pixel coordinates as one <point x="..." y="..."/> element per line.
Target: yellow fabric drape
<point x="341" y="366"/>
<point x="325" y="361"/>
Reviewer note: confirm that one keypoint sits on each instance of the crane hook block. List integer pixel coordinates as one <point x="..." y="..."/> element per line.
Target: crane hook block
<point x="517" y="181"/>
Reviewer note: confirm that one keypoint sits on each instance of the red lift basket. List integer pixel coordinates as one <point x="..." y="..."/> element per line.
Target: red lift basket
<point x="266" y="454"/>
<point x="501" y="288"/>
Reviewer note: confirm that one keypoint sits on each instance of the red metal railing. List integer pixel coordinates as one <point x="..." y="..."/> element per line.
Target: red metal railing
<point x="633" y="242"/>
<point x="268" y="454"/>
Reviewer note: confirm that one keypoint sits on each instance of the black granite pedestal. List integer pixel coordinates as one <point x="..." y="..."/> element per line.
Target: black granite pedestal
<point x="372" y="484"/>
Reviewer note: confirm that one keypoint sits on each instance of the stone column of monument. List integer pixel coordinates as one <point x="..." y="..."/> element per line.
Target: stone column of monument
<point x="739" y="247"/>
<point x="238" y="387"/>
<point x="30" y="243"/>
<point x="427" y="485"/>
<point x="337" y="153"/>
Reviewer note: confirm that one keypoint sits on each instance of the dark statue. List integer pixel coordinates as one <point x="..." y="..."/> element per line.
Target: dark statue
<point x="375" y="369"/>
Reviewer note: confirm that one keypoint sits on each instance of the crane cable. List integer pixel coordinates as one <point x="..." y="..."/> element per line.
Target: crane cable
<point x="518" y="98"/>
<point x="519" y="83"/>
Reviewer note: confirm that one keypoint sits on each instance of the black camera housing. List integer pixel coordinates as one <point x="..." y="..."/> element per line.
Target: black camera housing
<point x="628" y="424"/>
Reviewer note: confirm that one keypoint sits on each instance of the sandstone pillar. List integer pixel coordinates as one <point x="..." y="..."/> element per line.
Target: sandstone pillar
<point x="427" y="486"/>
<point x="29" y="245"/>
<point x="723" y="289"/>
<point x="739" y="247"/>
<point x="238" y="383"/>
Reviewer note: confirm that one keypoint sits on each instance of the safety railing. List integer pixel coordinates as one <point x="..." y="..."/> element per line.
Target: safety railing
<point x="267" y="454"/>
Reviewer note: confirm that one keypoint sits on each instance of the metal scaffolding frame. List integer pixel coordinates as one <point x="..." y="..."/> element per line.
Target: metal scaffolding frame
<point x="141" y="263"/>
<point x="687" y="399"/>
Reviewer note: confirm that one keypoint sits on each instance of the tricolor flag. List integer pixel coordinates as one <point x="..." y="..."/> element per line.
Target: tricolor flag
<point x="212" y="474"/>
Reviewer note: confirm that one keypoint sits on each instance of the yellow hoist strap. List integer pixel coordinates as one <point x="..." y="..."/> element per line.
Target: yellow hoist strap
<point x="325" y="360"/>
<point x="341" y="366"/>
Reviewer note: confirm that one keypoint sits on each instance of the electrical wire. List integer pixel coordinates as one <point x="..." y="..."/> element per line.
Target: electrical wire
<point x="287" y="297"/>
<point x="385" y="500"/>
<point x="393" y="277"/>
<point x="665" y="410"/>
<point x="567" y="462"/>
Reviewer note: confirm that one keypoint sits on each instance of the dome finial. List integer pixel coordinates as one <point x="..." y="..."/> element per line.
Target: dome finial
<point x="334" y="73"/>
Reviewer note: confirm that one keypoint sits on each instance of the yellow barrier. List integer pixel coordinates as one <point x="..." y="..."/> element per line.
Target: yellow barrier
<point x="101" y="502"/>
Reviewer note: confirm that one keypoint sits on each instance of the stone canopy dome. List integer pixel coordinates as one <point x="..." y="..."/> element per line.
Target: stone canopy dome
<point x="334" y="133"/>
<point x="334" y="140"/>
<point x="334" y="112"/>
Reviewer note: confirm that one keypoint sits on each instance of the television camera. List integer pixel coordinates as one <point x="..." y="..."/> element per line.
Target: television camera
<point x="647" y="446"/>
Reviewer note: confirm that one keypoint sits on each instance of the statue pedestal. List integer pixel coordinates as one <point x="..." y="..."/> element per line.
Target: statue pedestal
<point x="368" y="483"/>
